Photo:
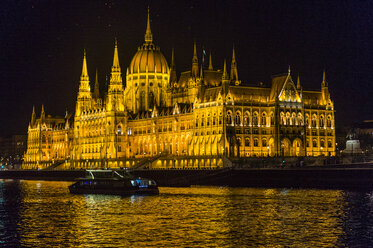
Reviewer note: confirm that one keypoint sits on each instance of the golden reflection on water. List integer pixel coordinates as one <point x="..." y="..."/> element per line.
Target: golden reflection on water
<point x="180" y="217"/>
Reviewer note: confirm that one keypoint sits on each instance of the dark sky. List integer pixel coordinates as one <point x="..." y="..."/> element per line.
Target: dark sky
<point x="42" y="42"/>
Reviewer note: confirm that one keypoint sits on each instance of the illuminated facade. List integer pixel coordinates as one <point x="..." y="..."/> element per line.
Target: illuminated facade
<point x="198" y="120"/>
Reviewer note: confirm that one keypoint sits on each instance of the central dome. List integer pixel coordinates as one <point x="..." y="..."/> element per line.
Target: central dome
<point x="148" y="55"/>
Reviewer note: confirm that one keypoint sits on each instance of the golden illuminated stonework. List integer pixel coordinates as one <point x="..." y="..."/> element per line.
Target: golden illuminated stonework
<point x="202" y="119"/>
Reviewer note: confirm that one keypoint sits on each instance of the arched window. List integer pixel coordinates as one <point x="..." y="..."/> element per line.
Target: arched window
<point x="307" y="120"/>
<point x="330" y="143"/>
<point x="256" y="143"/>
<point x="272" y="119"/>
<point x="282" y="118"/>
<point x="238" y="118"/>
<point x="322" y="143"/>
<point x="329" y="121"/>
<point x="264" y="142"/>
<point x="119" y="131"/>
<point x="255" y="119"/>
<point x="322" y="124"/>
<point x="264" y="119"/>
<point x="246" y="119"/>
<point x="314" y="121"/>
<point x="247" y="141"/>
<point x="314" y="143"/>
<point x="229" y="118"/>
<point x="300" y="119"/>
<point x="288" y="118"/>
<point x="294" y="119"/>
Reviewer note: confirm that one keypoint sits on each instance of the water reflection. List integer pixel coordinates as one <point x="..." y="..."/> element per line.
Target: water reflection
<point x="44" y="214"/>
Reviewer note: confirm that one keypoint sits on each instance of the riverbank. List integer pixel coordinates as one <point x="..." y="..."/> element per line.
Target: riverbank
<point x="336" y="177"/>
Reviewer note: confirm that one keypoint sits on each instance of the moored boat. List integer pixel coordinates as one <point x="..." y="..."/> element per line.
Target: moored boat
<point x="113" y="182"/>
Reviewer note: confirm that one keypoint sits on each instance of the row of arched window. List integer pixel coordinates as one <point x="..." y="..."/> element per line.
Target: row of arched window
<point x="255" y="143"/>
<point x="250" y="120"/>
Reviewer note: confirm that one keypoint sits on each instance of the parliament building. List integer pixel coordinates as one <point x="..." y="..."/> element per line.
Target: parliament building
<point x="202" y="118"/>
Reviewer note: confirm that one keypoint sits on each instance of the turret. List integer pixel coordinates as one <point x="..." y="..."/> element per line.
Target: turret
<point x="298" y="83"/>
<point x="234" y="72"/>
<point x="84" y="93"/>
<point x="173" y="77"/>
<point x="324" y="89"/>
<point x="195" y="62"/>
<point x="33" y="116"/>
<point x="115" y="92"/>
<point x="42" y="114"/>
<point x="210" y="63"/>
<point x="148" y="33"/>
<point x="116" y="75"/>
<point x="96" y="92"/>
<point x="225" y="79"/>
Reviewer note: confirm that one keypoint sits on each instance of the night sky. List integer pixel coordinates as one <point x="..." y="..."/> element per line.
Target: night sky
<point x="42" y="42"/>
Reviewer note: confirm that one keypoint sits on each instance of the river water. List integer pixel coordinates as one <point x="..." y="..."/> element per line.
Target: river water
<point x="45" y="214"/>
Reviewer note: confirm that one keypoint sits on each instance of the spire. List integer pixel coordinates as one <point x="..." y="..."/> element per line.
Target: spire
<point x="195" y="62"/>
<point x="298" y="83"/>
<point x="33" y="115"/>
<point x="201" y="72"/>
<point x="173" y="58"/>
<point x="84" y="76"/>
<point x="225" y="74"/>
<point x="289" y="71"/>
<point x="42" y="115"/>
<point x="323" y="83"/>
<point x="234" y="72"/>
<point x="96" y="92"/>
<point x="210" y="63"/>
<point x="115" y="66"/>
<point x="148" y="33"/>
<point x="173" y="77"/>
<point x="116" y="76"/>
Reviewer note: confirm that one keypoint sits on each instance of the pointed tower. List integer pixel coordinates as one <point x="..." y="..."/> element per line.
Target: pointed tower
<point x="42" y="114"/>
<point x="33" y="116"/>
<point x="115" y="92"/>
<point x="210" y="63"/>
<point x="173" y="77"/>
<point x="298" y="83"/>
<point x="234" y="72"/>
<point x="323" y="83"/>
<point x="201" y="73"/>
<point x="96" y="92"/>
<point x="84" y="93"/>
<point x="148" y="32"/>
<point x="225" y="79"/>
<point x="324" y="89"/>
<point x="195" y="62"/>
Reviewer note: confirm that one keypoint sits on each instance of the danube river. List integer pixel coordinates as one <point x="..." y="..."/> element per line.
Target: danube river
<point x="44" y="214"/>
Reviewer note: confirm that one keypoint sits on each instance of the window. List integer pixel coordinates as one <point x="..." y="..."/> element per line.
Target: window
<point x="255" y="119"/>
<point x="321" y="121"/>
<point x="238" y="118"/>
<point x="247" y="142"/>
<point x="314" y="143"/>
<point x="229" y="118"/>
<point x="246" y="119"/>
<point x="256" y="143"/>
<point x="264" y="119"/>
<point x="264" y="142"/>
<point x="314" y="121"/>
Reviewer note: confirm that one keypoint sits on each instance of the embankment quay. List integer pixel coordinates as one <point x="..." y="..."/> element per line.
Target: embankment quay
<point x="358" y="177"/>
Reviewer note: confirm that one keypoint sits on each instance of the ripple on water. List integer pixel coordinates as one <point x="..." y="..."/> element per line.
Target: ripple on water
<point x="44" y="214"/>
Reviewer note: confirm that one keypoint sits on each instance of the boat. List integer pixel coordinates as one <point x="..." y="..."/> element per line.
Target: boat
<point x="113" y="182"/>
